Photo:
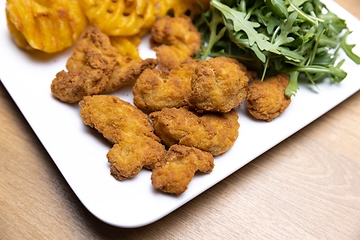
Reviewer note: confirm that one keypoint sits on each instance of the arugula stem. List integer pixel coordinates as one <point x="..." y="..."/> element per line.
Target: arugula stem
<point x="265" y="66"/>
<point x="313" y="20"/>
<point x="214" y="36"/>
<point x="313" y="53"/>
<point x="319" y="69"/>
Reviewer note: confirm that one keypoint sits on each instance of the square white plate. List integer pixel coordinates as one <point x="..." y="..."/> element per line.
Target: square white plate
<point x="80" y="152"/>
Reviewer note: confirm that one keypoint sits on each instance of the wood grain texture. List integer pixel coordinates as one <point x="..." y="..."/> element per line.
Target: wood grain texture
<point x="306" y="187"/>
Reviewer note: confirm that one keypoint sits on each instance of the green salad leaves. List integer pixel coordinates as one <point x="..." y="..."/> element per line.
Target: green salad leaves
<point x="297" y="37"/>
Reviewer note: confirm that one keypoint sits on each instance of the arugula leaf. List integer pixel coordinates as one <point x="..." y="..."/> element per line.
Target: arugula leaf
<point x="297" y="3"/>
<point x="278" y="7"/>
<point x="348" y="49"/>
<point x="293" y="86"/>
<point x="214" y="35"/>
<point x="286" y="28"/>
<point x="240" y="23"/>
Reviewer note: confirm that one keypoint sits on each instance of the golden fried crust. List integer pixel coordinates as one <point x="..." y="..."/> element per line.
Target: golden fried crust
<point x="218" y="84"/>
<point x="89" y="68"/>
<point x="266" y="99"/>
<point x="156" y="89"/>
<point x="93" y="42"/>
<point x="181" y="163"/>
<point x="126" y="71"/>
<point x="212" y="132"/>
<point x="72" y="86"/>
<point x="96" y="67"/>
<point x="135" y="144"/>
<point x="174" y="39"/>
<point x="173" y="124"/>
<point x="128" y="157"/>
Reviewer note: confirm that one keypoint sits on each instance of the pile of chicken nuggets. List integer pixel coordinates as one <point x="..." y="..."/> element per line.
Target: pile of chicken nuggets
<point x="184" y="109"/>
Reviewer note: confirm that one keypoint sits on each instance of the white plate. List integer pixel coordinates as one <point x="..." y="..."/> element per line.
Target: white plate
<point x="80" y="153"/>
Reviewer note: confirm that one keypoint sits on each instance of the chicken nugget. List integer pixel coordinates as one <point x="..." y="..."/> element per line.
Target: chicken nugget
<point x="129" y="129"/>
<point x="212" y="132"/>
<point x="89" y="68"/>
<point x="266" y="99"/>
<point x="218" y="84"/>
<point x="96" y="67"/>
<point x="181" y="164"/>
<point x="156" y="89"/>
<point x="174" y="39"/>
<point x="72" y="86"/>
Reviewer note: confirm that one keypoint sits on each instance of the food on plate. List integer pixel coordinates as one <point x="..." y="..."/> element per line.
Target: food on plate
<point x="218" y="84"/>
<point x="129" y="129"/>
<point x="52" y="26"/>
<point x="96" y="67"/>
<point x="129" y="18"/>
<point x="266" y="99"/>
<point x="191" y="102"/>
<point x="174" y="39"/>
<point x="179" y="167"/>
<point x="212" y="132"/>
<point x="156" y="89"/>
<point x="48" y="26"/>
<point x="271" y="37"/>
<point x="89" y="68"/>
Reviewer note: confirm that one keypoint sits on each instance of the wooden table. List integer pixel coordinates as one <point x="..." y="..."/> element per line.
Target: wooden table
<point x="307" y="187"/>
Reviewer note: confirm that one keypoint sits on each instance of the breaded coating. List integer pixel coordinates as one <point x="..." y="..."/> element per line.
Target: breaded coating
<point x="212" y="132"/>
<point x="174" y="39"/>
<point x="181" y="164"/>
<point x="266" y="99"/>
<point x="156" y="89"/>
<point x="218" y="84"/>
<point x="126" y="71"/>
<point x="89" y="68"/>
<point x="96" y="67"/>
<point x="129" y="129"/>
